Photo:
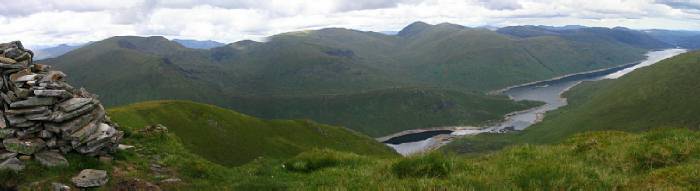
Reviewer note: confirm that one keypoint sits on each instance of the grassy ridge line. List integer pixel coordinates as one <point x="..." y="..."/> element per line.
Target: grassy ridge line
<point x="661" y="95"/>
<point x="231" y="138"/>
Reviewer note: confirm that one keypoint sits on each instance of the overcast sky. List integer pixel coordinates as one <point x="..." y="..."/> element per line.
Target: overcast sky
<point x="43" y="23"/>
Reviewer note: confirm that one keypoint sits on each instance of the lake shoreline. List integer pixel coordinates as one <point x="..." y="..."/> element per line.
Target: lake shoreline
<point x="620" y="67"/>
<point x="522" y="119"/>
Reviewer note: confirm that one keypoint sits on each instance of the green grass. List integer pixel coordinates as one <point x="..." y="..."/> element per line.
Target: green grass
<point x="662" y="95"/>
<point x="433" y="165"/>
<point x="230" y="138"/>
<point x="383" y="112"/>
<point x="664" y="158"/>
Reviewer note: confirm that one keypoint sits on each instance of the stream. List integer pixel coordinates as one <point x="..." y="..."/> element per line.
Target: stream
<point x="549" y="92"/>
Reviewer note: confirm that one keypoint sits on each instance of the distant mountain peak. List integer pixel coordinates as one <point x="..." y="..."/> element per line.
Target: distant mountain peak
<point x="451" y="25"/>
<point x="199" y="44"/>
<point x="414" y="28"/>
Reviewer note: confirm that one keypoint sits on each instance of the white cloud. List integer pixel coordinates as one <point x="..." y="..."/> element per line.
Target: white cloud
<point x="501" y="4"/>
<point x="40" y="23"/>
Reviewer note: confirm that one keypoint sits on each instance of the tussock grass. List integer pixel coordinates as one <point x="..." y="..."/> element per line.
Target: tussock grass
<point x="433" y="165"/>
<point x="321" y="158"/>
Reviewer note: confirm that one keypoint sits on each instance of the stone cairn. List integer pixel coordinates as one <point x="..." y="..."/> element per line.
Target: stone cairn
<point x="43" y="117"/>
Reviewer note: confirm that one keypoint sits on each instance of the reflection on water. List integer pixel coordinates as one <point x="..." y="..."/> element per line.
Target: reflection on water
<point x="548" y="92"/>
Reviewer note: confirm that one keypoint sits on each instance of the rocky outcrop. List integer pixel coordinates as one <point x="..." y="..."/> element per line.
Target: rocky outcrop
<point x="43" y="116"/>
<point x="90" y="178"/>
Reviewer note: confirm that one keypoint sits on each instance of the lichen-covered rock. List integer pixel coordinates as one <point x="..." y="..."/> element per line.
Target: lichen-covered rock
<point x="26" y="147"/>
<point x="4" y="155"/>
<point x="33" y="101"/>
<point x="90" y="178"/>
<point x="51" y="159"/>
<point x="40" y="111"/>
<point x="73" y="104"/>
<point x="6" y="133"/>
<point x="60" y="187"/>
<point x="13" y="164"/>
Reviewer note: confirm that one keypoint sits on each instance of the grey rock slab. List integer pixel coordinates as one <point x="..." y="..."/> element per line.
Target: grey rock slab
<point x="84" y="133"/>
<point x="30" y="110"/>
<point x="25" y="124"/>
<point x="90" y="178"/>
<point x="5" y="97"/>
<point x="51" y="159"/>
<point x="59" y="187"/>
<point x="26" y="147"/>
<point x="6" y="155"/>
<point x="62" y="116"/>
<point x="15" y="119"/>
<point x="73" y="104"/>
<point x="73" y="125"/>
<point x="34" y="101"/>
<point x="13" y="164"/>
<point x="46" y="116"/>
<point x="53" y="93"/>
<point x="104" y="131"/>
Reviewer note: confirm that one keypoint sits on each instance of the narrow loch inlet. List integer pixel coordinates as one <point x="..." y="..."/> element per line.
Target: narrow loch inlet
<point x="413" y="137"/>
<point x="548" y="92"/>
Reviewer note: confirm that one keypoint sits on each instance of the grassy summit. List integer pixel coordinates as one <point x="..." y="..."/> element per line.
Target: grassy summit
<point x="230" y="138"/>
<point x="661" y="95"/>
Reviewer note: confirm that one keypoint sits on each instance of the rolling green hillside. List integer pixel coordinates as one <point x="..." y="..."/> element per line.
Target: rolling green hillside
<point x="661" y="95"/>
<point x="347" y="64"/>
<point x="665" y="159"/>
<point x="230" y="138"/>
<point x="342" y="61"/>
<point x="382" y="112"/>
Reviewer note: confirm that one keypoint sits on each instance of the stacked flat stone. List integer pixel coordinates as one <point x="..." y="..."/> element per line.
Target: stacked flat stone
<point x="43" y="116"/>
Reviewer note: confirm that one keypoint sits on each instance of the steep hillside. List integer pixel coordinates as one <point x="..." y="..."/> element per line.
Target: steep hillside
<point x="591" y="34"/>
<point x="684" y="39"/>
<point x="662" y="95"/>
<point x="128" y="72"/>
<point x="131" y="70"/>
<point x="230" y="138"/>
<point x="382" y="112"/>
<point x="343" y="63"/>
<point x="346" y="61"/>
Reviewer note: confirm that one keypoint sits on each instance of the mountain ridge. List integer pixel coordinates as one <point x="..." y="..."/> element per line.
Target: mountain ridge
<point x="335" y="61"/>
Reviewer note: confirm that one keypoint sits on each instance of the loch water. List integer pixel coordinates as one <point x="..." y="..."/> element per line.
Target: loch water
<point x="548" y="91"/>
